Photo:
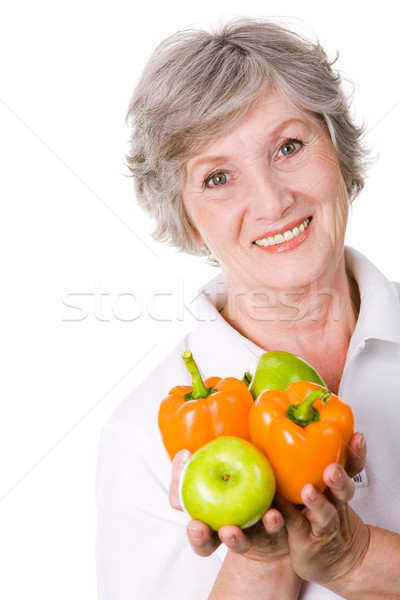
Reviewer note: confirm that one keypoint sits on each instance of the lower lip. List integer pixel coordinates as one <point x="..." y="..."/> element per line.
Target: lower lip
<point x="289" y="245"/>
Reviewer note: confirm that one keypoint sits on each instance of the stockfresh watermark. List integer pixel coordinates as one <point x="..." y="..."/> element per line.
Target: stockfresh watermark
<point x="177" y="303"/>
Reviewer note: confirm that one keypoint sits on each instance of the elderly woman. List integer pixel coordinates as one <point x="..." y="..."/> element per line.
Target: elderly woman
<point x="243" y="149"/>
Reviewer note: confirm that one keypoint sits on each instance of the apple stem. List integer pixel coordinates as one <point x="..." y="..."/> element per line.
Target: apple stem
<point x="199" y="389"/>
<point x="303" y="414"/>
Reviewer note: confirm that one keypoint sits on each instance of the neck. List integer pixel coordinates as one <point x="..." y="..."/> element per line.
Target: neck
<point x="316" y="322"/>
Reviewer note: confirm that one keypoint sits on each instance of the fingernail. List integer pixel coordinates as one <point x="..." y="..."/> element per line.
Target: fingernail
<point x="361" y="442"/>
<point x="196" y="533"/>
<point x="229" y="539"/>
<point x="183" y="457"/>
<point x="272" y="520"/>
<point x="312" y="494"/>
<point x="336" y="475"/>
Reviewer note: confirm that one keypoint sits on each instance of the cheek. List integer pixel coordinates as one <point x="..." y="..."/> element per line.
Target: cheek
<point x="324" y="181"/>
<point x="194" y="217"/>
<point x="205" y="224"/>
<point x="215" y="228"/>
<point x="215" y="222"/>
<point x="334" y="202"/>
<point x="336" y="192"/>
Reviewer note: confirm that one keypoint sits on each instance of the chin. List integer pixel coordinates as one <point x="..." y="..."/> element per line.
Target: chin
<point x="287" y="277"/>
<point x="298" y="270"/>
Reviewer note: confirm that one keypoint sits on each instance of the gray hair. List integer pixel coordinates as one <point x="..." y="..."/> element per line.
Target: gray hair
<point x="198" y="84"/>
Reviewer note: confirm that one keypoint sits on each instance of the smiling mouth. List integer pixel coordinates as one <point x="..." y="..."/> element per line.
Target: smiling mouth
<point x="285" y="236"/>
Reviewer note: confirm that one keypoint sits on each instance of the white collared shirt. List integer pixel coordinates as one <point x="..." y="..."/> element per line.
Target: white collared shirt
<point x="142" y="549"/>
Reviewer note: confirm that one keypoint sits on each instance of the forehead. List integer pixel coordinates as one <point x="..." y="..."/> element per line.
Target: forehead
<point x="270" y="117"/>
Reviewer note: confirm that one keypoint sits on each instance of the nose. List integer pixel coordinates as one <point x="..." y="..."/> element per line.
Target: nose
<point x="269" y="197"/>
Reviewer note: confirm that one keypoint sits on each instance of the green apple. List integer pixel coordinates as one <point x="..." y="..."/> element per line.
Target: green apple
<point x="227" y="482"/>
<point x="277" y="370"/>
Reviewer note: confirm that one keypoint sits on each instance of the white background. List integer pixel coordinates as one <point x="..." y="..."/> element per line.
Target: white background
<point x="88" y="302"/>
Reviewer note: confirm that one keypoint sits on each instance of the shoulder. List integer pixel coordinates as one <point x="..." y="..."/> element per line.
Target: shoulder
<point x="130" y="446"/>
<point x="139" y="409"/>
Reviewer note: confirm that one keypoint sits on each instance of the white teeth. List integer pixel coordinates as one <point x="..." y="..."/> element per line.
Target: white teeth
<point x="272" y="240"/>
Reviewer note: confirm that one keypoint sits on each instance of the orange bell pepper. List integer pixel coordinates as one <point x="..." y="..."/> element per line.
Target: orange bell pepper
<point x="191" y="416"/>
<point x="301" y="431"/>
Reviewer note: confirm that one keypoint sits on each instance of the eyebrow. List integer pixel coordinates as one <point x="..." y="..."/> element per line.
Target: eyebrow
<point x="211" y="158"/>
<point x="215" y="158"/>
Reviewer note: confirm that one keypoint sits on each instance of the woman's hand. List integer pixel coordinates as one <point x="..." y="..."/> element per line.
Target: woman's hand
<point x="263" y="546"/>
<point x="265" y="540"/>
<point x="327" y="539"/>
<point x="356" y="454"/>
<point x="201" y="538"/>
<point x="268" y="539"/>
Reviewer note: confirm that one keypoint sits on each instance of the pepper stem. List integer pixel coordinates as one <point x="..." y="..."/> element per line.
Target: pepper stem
<point x="303" y="414"/>
<point x="199" y="389"/>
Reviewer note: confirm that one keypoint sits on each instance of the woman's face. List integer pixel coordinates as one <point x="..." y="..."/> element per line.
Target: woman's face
<point x="268" y="198"/>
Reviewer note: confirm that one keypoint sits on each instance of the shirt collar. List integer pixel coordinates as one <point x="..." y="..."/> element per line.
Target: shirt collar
<point x="221" y="350"/>
<point x="218" y="348"/>
<point x="379" y="316"/>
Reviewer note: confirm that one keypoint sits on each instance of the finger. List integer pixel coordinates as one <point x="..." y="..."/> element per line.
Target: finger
<point x="321" y="514"/>
<point x="180" y="460"/>
<point x="202" y="539"/>
<point x="234" y="538"/>
<point x="273" y="521"/>
<point x="357" y="452"/>
<point x="296" y="524"/>
<point x="341" y="486"/>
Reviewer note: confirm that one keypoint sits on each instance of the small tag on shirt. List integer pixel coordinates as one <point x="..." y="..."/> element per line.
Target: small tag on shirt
<point x="361" y="479"/>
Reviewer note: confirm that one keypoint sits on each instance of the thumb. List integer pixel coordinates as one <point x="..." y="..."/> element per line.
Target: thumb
<point x="296" y="524"/>
<point x="180" y="460"/>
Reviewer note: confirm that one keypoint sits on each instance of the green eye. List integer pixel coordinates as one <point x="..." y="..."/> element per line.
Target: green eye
<point x="216" y="179"/>
<point x="288" y="148"/>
